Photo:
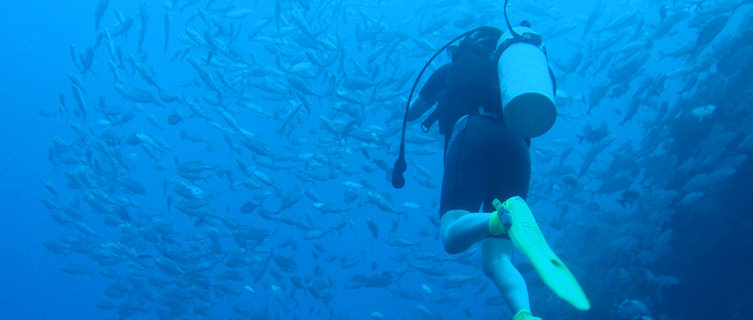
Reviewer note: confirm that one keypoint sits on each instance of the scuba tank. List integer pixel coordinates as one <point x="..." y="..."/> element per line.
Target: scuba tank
<point x="525" y="82"/>
<point x="527" y="86"/>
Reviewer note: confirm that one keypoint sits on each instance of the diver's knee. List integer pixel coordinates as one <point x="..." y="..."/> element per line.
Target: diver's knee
<point x="451" y="248"/>
<point x="450" y="243"/>
<point x="449" y="237"/>
<point x="447" y="240"/>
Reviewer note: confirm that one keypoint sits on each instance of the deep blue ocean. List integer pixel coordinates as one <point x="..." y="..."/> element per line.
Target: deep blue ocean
<point x="217" y="159"/>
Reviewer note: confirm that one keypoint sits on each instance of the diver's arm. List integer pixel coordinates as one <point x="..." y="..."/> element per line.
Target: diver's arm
<point x="417" y="108"/>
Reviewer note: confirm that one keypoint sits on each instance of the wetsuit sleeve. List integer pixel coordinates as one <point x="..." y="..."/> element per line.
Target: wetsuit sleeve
<point x="435" y="85"/>
<point x="429" y="93"/>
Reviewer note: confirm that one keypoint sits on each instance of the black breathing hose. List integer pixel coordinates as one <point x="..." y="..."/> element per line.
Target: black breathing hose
<point x="509" y="26"/>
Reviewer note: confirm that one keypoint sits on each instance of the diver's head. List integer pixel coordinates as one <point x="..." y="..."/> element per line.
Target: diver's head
<point x="486" y="37"/>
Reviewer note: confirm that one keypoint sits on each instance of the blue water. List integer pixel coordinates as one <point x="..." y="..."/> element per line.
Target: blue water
<point x="654" y="211"/>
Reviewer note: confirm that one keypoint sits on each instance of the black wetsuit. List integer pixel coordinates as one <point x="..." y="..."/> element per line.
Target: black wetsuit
<point x="483" y="158"/>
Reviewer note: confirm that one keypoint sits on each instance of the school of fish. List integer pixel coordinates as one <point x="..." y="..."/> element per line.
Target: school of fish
<point x="229" y="160"/>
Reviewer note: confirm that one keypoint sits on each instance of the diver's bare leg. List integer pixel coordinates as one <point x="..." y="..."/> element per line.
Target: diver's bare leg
<point x="460" y="229"/>
<point x="498" y="267"/>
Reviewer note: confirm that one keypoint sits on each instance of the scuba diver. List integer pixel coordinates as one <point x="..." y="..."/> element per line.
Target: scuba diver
<point x="495" y="94"/>
<point x="484" y="160"/>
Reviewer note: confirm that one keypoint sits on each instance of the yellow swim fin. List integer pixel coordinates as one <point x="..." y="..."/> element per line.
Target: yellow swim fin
<point x="527" y="237"/>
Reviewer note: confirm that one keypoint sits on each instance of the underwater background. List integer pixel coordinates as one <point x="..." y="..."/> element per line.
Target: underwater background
<point x="212" y="159"/>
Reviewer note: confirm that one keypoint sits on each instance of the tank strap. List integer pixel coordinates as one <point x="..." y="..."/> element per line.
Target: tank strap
<point x="527" y="37"/>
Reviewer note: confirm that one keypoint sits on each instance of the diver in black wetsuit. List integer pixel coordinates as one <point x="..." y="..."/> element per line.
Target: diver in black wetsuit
<point x="484" y="159"/>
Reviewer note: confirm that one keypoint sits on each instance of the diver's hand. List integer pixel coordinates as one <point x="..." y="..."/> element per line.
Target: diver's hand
<point x="417" y="108"/>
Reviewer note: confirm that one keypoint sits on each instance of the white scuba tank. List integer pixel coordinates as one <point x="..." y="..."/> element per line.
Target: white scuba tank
<point x="526" y="86"/>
